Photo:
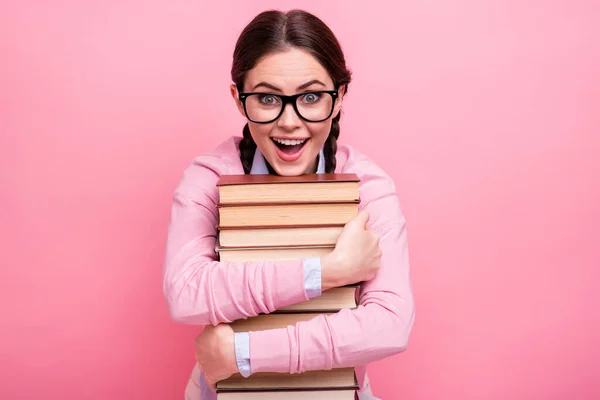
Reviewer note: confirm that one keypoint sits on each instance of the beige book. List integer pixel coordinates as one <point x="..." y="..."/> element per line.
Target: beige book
<point x="286" y="215"/>
<point x="312" y="394"/>
<point x="272" y="321"/>
<point x="272" y="188"/>
<point x="280" y="236"/>
<point x="280" y="253"/>
<point x="330" y="300"/>
<point x="337" y="378"/>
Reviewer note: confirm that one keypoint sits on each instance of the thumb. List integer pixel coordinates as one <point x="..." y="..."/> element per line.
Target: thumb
<point x="362" y="218"/>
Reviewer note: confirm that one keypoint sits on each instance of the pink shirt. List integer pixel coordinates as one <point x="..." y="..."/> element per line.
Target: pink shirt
<point x="201" y="290"/>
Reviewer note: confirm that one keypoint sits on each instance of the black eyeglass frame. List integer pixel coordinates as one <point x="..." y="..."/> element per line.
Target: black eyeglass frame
<point x="291" y="100"/>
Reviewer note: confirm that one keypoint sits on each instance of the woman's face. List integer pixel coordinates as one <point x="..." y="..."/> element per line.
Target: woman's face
<point x="289" y="144"/>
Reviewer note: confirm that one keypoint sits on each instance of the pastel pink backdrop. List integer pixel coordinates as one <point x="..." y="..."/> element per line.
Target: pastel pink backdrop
<point x="485" y="113"/>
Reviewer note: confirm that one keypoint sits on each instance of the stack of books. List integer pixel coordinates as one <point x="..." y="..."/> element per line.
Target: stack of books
<point x="276" y="218"/>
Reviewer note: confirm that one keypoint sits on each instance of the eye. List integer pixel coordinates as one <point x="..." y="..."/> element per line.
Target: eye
<point x="311" y="98"/>
<point x="268" y="99"/>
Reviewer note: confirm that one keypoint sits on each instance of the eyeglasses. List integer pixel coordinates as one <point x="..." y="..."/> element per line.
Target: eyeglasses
<point x="263" y="108"/>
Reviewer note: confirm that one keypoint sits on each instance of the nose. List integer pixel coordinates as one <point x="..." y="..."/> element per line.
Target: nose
<point x="289" y="120"/>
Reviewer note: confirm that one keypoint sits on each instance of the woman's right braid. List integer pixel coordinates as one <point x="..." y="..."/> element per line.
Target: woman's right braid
<point x="247" y="150"/>
<point x="330" y="147"/>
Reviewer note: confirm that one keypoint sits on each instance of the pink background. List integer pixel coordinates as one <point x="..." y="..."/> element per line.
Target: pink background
<point x="486" y="114"/>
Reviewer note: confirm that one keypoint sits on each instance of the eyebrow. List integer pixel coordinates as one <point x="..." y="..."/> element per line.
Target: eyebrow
<point x="273" y="87"/>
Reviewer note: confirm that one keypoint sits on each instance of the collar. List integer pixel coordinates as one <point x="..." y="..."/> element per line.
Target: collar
<point x="259" y="166"/>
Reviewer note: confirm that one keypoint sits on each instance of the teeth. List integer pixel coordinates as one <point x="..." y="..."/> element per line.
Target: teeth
<point x="289" y="142"/>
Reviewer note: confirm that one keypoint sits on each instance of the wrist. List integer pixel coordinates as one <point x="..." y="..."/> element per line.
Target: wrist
<point x="332" y="271"/>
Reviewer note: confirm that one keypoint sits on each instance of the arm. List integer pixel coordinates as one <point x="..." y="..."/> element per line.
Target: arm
<point x="201" y="290"/>
<point x="378" y="328"/>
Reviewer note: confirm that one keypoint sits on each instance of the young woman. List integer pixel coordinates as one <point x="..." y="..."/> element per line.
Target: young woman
<point x="289" y="78"/>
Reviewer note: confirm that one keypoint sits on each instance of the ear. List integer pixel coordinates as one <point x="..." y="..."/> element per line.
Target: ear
<point x="238" y="103"/>
<point x="338" y="101"/>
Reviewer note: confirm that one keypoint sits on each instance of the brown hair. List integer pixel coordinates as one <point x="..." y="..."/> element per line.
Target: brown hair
<point x="273" y="31"/>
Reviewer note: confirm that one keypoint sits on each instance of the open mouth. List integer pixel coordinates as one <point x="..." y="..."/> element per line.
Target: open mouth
<point x="290" y="147"/>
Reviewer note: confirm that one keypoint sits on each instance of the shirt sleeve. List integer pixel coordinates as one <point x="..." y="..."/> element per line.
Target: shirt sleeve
<point x="312" y="276"/>
<point x="201" y="290"/>
<point x="242" y="352"/>
<point x="379" y="327"/>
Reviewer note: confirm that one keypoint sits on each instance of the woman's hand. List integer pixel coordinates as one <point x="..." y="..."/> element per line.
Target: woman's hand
<point x="215" y="354"/>
<point x="356" y="257"/>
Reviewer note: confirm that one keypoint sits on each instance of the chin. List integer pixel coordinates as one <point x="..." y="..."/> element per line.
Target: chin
<point x="290" y="170"/>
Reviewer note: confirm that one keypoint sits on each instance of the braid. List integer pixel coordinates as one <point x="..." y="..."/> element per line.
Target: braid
<point x="247" y="149"/>
<point x="330" y="148"/>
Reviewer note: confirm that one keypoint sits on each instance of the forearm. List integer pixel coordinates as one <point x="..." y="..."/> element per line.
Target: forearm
<point x="210" y="292"/>
<point x="346" y="339"/>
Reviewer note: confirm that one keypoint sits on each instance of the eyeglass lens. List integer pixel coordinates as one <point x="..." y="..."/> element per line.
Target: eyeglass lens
<point x="266" y="107"/>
